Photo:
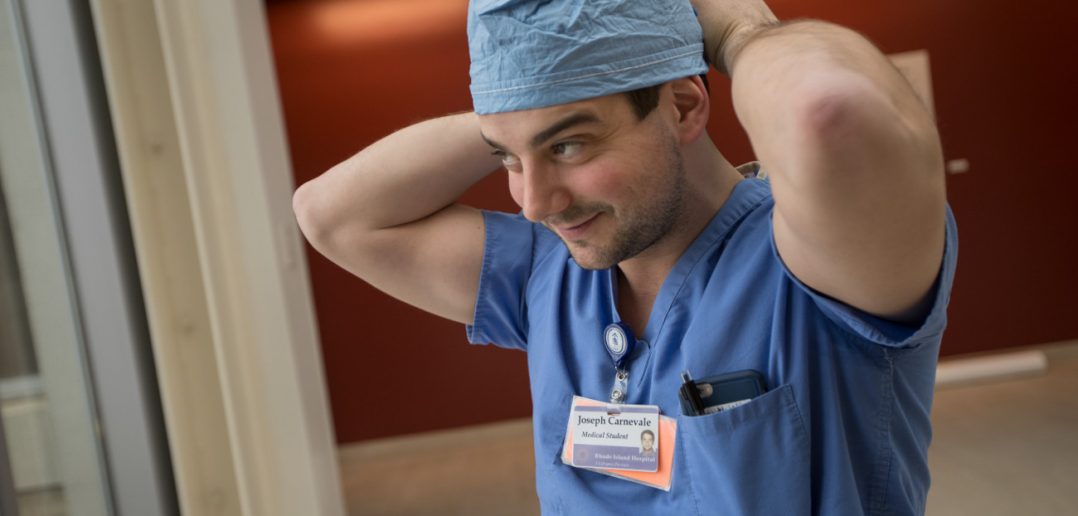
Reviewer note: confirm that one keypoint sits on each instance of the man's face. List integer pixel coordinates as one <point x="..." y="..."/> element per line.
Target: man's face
<point x="607" y="183"/>
<point x="647" y="441"/>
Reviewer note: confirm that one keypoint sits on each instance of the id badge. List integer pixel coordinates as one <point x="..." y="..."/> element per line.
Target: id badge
<point x="631" y="442"/>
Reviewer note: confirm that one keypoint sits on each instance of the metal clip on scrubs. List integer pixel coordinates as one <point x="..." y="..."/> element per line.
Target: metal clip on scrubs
<point x="619" y="342"/>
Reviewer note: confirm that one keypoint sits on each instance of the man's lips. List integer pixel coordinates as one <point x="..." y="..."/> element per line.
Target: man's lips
<point x="575" y="231"/>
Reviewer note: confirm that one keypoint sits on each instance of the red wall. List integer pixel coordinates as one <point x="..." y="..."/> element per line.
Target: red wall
<point x="351" y="71"/>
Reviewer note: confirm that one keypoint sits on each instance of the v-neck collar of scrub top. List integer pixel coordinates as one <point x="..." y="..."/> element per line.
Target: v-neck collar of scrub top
<point x="745" y="196"/>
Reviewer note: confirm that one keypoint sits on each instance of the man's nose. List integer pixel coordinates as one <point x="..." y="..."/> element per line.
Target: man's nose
<point x="544" y="193"/>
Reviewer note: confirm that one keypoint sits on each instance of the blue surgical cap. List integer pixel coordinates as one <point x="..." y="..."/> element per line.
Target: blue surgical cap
<point x="529" y="54"/>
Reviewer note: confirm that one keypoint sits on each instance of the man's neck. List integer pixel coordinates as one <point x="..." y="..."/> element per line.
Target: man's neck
<point x="711" y="179"/>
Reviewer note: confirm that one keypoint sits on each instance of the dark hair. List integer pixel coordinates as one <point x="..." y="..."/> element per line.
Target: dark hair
<point x="644" y="100"/>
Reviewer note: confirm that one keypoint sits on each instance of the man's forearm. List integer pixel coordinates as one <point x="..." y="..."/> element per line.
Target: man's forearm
<point x="404" y="177"/>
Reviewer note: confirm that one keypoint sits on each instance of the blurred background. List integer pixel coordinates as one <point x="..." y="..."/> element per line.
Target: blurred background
<point x="166" y="339"/>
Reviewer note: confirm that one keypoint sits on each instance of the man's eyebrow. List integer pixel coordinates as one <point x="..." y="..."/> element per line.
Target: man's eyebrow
<point x="542" y="136"/>
<point x="561" y="125"/>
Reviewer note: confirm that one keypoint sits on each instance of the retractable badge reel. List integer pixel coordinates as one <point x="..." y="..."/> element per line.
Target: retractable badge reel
<point x="619" y="342"/>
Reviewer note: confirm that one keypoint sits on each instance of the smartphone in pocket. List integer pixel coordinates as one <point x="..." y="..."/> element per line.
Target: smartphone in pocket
<point x="725" y="391"/>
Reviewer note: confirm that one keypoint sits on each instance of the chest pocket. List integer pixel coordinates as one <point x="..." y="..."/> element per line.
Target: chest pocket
<point x="749" y="460"/>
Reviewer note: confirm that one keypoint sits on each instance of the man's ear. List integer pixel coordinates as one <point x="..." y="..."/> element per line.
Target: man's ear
<point x="693" y="106"/>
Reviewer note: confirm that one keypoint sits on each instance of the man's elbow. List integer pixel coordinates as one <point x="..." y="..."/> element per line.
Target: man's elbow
<point x="305" y="207"/>
<point x="838" y="109"/>
<point x="854" y="121"/>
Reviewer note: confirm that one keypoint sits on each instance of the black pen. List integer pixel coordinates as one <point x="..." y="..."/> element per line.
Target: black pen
<point x="691" y="393"/>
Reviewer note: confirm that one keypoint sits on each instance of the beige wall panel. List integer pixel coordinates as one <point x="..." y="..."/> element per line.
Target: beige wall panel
<point x="164" y="238"/>
<point x="208" y="183"/>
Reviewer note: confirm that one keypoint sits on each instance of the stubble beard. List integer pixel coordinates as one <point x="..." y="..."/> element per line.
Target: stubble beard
<point x="640" y="226"/>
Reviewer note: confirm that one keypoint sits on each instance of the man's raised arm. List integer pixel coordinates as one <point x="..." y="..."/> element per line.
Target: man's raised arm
<point x="854" y="157"/>
<point x="389" y="214"/>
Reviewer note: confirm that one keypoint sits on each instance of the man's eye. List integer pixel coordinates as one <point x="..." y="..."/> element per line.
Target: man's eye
<point x="566" y="149"/>
<point x="508" y="160"/>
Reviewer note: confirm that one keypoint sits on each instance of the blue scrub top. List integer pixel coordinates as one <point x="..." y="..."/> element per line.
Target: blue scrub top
<point x="843" y="428"/>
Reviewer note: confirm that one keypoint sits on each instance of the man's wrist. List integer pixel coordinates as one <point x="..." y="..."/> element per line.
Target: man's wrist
<point x="736" y="45"/>
<point x="726" y="57"/>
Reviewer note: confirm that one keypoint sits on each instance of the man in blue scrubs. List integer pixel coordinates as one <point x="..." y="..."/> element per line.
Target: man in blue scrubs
<point x="829" y="279"/>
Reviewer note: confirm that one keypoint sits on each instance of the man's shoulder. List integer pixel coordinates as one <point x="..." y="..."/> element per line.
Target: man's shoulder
<point x="512" y="233"/>
<point x="744" y="223"/>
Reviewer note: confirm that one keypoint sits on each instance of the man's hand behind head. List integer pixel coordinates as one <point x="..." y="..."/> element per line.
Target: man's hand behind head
<point x="728" y="24"/>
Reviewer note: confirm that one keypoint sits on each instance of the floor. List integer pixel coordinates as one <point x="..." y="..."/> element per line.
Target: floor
<point x="43" y="502"/>
<point x="1003" y="447"/>
<point x="1009" y="447"/>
